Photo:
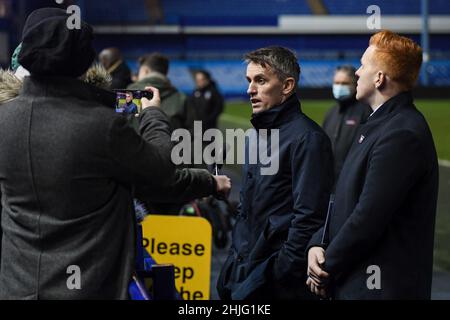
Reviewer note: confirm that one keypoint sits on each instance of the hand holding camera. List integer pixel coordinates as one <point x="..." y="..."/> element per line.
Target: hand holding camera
<point x="153" y="94"/>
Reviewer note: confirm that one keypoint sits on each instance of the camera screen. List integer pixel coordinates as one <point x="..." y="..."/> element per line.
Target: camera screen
<point x="128" y="102"/>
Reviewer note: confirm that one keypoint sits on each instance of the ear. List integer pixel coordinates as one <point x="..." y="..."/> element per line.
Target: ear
<point x="380" y="79"/>
<point x="288" y="85"/>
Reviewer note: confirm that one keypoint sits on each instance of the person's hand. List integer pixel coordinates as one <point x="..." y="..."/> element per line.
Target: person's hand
<point x="316" y="276"/>
<point x="317" y="290"/>
<point x="156" y="100"/>
<point x="223" y="184"/>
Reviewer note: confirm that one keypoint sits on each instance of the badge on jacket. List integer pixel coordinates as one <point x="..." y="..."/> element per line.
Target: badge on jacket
<point x="361" y="139"/>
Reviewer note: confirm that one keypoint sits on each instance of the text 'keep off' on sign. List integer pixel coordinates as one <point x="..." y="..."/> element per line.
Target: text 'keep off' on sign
<point x="184" y="242"/>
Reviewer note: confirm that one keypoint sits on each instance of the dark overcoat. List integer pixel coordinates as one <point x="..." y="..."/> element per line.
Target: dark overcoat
<point x="280" y="211"/>
<point x="67" y="166"/>
<point x="381" y="230"/>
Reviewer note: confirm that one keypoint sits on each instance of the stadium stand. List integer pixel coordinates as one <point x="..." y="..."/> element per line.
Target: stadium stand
<point x="244" y="12"/>
<point x="214" y="35"/>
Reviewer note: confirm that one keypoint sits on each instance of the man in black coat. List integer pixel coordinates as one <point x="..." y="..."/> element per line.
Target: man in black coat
<point x="112" y="61"/>
<point x="67" y="166"/>
<point x="341" y="121"/>
<point x="281" y="205"/>
<point x="206" y="100"/>
<point x="381" y="231"/>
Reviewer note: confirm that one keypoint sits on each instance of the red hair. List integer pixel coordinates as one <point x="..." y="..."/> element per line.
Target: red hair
<point x="400" y="57"/>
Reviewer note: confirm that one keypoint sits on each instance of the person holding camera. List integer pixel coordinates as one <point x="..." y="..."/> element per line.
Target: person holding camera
<point x="68" y="165"/>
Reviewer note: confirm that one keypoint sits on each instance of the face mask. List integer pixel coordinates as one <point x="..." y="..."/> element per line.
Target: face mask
<point x="341" y="91"/>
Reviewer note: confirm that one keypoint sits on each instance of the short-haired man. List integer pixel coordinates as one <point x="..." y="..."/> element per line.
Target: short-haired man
<point x="380" y="236"/>
<point x="129" y="107"/>
<point x="342" y="121"/>
<point x="278" y="212"/>
<point x="153" y="69"/>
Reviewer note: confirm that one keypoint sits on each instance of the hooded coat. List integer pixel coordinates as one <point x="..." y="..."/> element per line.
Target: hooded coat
<point x="68" y="165"/>
<point x="186" y="185"/>
<point x="66" y="177"/>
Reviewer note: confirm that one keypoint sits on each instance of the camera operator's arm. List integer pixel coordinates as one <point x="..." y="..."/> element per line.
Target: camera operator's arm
<point x="143" y="158"/>
<point x="187" y="185"/>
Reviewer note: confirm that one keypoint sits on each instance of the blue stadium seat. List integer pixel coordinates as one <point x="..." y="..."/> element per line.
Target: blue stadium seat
<point x="222" y="54"/>
<point x="216" y="12"/>
<point x="242" y="12"/>
<point x="389" y="7"/>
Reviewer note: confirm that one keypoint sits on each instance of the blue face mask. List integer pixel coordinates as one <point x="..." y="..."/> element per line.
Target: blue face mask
<point x="342" y="91"/>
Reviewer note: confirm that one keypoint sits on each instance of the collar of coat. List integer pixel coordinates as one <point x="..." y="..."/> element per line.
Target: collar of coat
<point x="392" y="106"/>
<point x="37" y="86"/>
<point x="276" y="116"/>
<point x="96" y="79"/>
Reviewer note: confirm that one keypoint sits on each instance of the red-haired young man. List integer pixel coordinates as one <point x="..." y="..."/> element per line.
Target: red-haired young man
<point x="379" y="242"/>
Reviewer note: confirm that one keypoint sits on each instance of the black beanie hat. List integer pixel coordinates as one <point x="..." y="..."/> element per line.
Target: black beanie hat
<point x="50" y="48"/>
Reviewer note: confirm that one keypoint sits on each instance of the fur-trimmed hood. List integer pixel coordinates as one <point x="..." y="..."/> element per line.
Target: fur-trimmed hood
<point x="10" y="85"/>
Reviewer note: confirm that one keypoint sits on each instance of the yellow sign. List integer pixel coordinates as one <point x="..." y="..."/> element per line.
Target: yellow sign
<point x="184" y="242"/>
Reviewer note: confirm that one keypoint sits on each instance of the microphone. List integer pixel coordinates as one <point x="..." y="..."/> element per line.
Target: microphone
<point x="222" y="153"/>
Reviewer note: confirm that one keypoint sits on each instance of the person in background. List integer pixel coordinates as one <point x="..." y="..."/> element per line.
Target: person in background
<point x="112" y="61"/>
<point x="206" y="100"/>
<point x="155" y="11"/>
<point x="342" y="121"/>
<point x="153" y="70"/>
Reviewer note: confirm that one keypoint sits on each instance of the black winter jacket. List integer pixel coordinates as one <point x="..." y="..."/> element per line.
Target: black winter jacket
<point x="208" y="104"/>
<point x="341" y="125"/>
<point x="280" y="212"/>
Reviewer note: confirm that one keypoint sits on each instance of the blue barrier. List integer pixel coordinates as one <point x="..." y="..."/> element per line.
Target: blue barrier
<point x="150" y="280"/>
<point x="230" y="74"/>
